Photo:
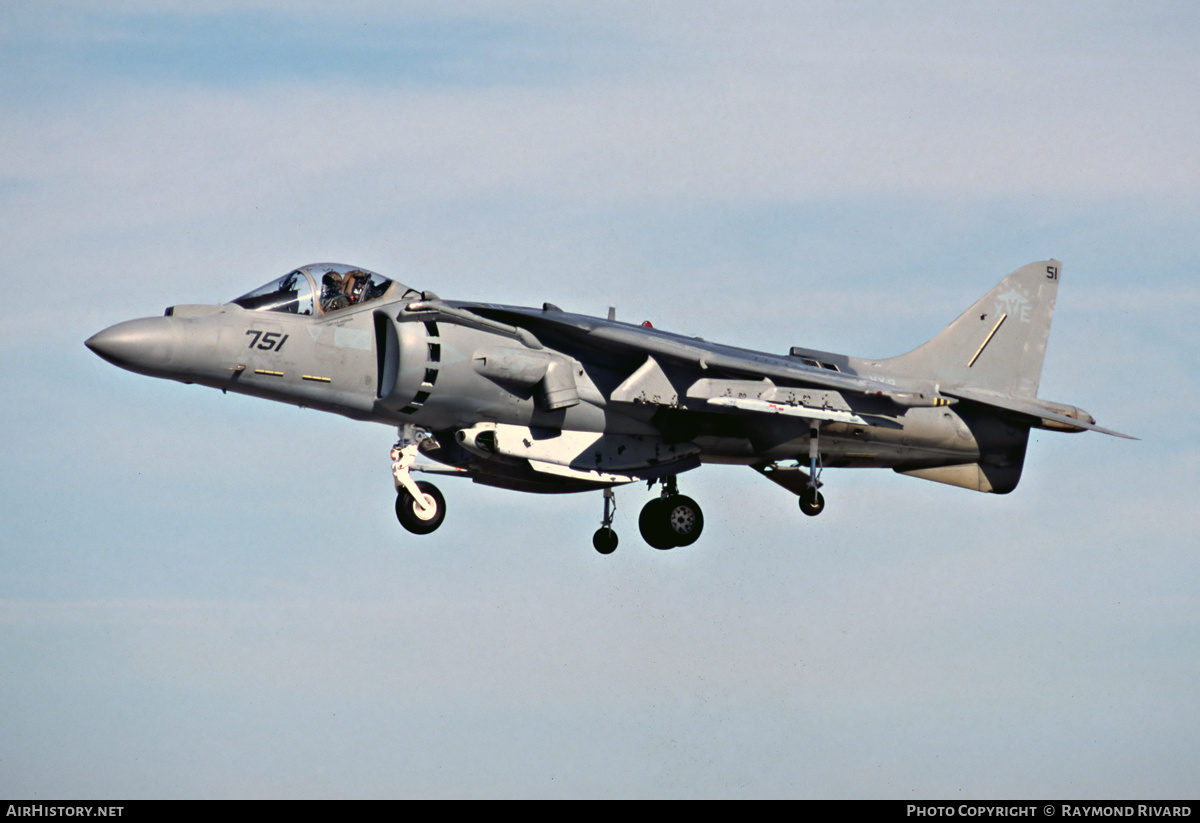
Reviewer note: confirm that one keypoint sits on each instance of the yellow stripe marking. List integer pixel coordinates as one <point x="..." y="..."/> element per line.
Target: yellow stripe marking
<point x="268" y="371"/>
<point x="318" y="379"/>
<point x="987" y="339"/>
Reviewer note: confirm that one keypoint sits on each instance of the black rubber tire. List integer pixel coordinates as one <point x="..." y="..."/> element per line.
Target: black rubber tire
<point x="605" y="540"/>
<point x="812" y="502"/>
<point x="683" y="519"/>
<point x="652" y="523"/>
<point x="406" y="509"/>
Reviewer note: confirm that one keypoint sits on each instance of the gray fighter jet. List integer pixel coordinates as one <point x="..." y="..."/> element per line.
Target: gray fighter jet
<point x="542" y="400"/>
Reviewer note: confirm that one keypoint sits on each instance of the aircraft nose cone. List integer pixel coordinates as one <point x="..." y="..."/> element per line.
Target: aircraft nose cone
<point x="146" y="345"/>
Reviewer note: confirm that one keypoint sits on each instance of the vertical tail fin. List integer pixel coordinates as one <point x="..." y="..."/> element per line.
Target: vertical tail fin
<point x="999" y="343"/>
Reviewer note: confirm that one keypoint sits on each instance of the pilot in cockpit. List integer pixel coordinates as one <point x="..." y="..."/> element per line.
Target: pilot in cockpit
<point x="352" y="285"/>
<point x="338" y="287"/>
<point x="333" y="294"/>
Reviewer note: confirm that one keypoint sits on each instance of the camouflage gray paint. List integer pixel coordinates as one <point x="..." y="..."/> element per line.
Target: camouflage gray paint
<point x="542" y="400"/>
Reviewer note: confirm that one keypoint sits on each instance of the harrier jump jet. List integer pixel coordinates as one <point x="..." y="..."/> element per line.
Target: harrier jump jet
<point x="543" y="400"/>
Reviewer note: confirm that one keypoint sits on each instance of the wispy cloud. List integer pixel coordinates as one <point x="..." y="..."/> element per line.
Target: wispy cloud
<point x="812" y="174"/>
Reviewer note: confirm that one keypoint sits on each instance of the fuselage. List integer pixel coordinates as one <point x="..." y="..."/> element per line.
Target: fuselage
<point x="546" y="401"/>
<point x="460" y="370"/>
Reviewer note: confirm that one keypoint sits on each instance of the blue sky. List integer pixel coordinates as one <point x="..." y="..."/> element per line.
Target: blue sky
<point x="208" y="596"/>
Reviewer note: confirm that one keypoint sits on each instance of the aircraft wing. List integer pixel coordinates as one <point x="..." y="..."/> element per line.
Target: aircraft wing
<point x="635" y="343"/>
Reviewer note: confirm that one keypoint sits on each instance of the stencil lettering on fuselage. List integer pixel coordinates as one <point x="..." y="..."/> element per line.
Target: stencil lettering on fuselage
<point x="351" y="339"/>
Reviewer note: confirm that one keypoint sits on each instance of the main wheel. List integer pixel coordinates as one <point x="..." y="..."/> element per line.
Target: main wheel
<point x="605" y="540"/>
<point x="654" y="527"/>
<point x="812" y="502"/>
<point x="412" y="517"/>
<point x="684" y="520"/>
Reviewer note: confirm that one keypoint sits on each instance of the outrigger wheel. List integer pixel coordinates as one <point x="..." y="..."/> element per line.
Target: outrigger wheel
<point x="812" y="502"/>
<point x="421" y="518"/>
<point x="605" y="540"/>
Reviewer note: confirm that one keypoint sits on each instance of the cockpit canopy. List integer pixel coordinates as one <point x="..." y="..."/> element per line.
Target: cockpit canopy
<point x="321" y="288"/>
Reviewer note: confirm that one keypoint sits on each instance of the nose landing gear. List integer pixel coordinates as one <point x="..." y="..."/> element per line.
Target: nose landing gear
<point x="420" y="507"/>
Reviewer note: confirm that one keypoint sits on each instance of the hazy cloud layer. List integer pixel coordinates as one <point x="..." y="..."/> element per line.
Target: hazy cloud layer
<point x="208" y="595"/>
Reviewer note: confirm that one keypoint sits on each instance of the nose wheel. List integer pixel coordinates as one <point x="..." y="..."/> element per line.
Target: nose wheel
<point x="420" y="507"/>
<point x="423" y="515"/>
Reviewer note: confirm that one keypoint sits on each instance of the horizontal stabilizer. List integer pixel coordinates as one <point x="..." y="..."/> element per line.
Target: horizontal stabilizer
<point x="1033" y="408"/>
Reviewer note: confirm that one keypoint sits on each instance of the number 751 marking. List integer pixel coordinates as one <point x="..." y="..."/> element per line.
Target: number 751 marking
<point x="267" y="341"/>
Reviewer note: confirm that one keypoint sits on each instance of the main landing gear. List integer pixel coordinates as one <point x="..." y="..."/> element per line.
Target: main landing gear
<point x="672" y="520"/>
<point x="666" y="522"/>
<point x="420" y="507"/>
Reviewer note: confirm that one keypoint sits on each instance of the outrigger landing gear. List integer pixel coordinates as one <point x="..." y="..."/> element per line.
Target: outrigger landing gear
<point x="420" y="507"/>
<point x="671" y="520"/>
<point x="812" y="502"/>
<point x="605" y="539"/>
